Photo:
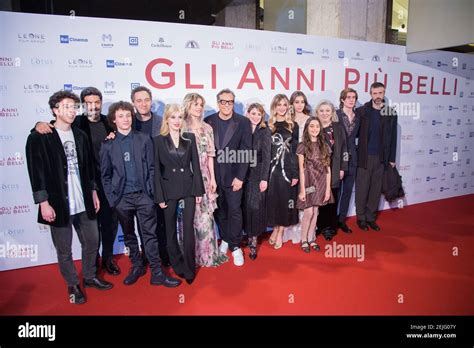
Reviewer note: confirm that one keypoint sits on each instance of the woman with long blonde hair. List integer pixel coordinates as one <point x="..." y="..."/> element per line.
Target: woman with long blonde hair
<point x="207" y="250"/>
<point x="335" y="136"/>
<point x="282" y="189"/>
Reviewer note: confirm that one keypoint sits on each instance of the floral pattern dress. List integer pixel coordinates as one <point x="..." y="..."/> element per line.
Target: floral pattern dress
<point x="207" y="250"/>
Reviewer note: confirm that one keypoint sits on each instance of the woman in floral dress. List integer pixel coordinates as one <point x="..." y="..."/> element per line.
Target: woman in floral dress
<point x="207" y="250"/>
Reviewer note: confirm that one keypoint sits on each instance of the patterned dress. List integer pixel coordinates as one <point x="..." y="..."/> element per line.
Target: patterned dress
<point x="207" y="251"/>
<point x="281" y="197"/>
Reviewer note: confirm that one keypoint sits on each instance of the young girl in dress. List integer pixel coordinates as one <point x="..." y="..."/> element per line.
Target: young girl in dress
<point x="282" y="189"/>
<point x="315" y="180"/>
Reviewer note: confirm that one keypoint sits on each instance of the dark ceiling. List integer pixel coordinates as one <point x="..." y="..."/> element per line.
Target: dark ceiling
<point x="195" y="11"/>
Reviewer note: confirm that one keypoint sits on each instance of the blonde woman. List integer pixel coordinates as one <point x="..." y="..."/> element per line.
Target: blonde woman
<point x="282" y="189"/>
<point x="335" y="136"/>
<point x="207" y="250"/>
<point x="178" y="180"/>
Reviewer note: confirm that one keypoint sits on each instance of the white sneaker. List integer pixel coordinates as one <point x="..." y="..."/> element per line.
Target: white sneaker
<point x="223" y="247"/>
<point x="238" y="257"/>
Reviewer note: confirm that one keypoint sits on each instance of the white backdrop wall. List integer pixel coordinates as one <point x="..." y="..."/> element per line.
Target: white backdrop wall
<point x="40" y="54"/>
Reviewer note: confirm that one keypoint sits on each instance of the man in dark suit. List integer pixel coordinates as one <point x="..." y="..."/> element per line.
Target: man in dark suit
<point x="95" y="125"/>
<point x="351" y="122"/>
<point x="233" y="141"/>
<point x="127" y="168"/>
<point x="62" y="178"/>
<point x="150" y="123"/>
<point x="377" y="148"/>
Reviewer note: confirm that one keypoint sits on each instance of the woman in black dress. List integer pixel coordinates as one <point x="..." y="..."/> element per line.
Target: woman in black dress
<point x="256" y="182"/>
<point x="282" y="190"/>
<point x="336" y="138"/>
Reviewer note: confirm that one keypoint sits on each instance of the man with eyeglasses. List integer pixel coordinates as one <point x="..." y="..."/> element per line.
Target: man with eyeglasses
<point x="232" y="136"/>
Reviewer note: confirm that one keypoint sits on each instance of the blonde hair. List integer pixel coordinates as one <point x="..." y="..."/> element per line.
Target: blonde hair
<point x="334" y="117"/>
<point x="273" y="115"/>
<point x="260" y="109"/>
<point x="171" y="109"/>
<point x="188" y="100"/>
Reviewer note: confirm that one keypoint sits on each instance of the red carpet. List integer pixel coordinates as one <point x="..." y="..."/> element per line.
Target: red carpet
<point x="412" y="257"/>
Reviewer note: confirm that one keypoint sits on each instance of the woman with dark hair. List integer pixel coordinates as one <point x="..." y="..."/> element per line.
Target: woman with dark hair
<point x="256" y="182"/>
<point x="336" y="138"/>
<point x="314" y="158"/>
<point x="178" y="180"/>
<point x="300" y="113"/>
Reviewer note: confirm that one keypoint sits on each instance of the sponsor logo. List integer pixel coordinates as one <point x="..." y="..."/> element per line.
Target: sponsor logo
<point x="109" y="88"/>
<point x="37" y="88"/>
<point x="80" y="63"/>
<point x="41" y="61"/>
<point x="432" y="151"/>
<point x="66" y="39"/>
<point x="8" y="62"/>
<point x="253" y="47"/>
<point x="375" y="58"/>
<point x="301" y="51"/>
<point x="133" y="40"/>
<point x="70" y="87"/>
<point x="107" y="41"/>
<point x="160" y="44"/>
<point x="393" y="59"/>
<point x="448" y="135"/>
<point x="9" y="187"/>
<point x="192" y="44"/>
<point x="340" y="54"/>
<point x="31" y="38"/>
<point x="112" y="63"/>
<point x="437" y="136"/>
<point x="279" y="49"/>
<point x="357" y="56"/>
<point x="434" y="122"/>
<point x="440" y="64"/>
<point x="325" y="53"/>
<point x="134" y="85"/>
<point x="430" y="178"/>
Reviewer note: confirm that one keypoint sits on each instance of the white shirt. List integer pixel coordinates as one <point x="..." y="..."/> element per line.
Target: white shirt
<point x="75" y="196"/>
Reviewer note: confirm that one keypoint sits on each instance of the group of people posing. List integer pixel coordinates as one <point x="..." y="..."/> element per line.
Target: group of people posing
<point x="181" y="176"/>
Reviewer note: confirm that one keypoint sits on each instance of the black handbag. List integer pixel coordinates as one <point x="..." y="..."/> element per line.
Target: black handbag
<point x="392" y="184"/>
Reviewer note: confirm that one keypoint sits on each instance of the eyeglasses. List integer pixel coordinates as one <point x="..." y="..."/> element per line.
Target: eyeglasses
<point x="226" y="102"/>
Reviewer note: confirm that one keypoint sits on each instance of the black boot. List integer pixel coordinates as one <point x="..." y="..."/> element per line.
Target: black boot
<point x="252" y="242"/>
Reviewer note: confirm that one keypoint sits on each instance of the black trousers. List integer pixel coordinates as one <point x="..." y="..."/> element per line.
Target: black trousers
<point x="184" y="262"/>
<point x="229" y="216"/>
<point x="160" y="233"/>
<point x="346" y="192"/>
<point x="369" y="189"/>
<point x="88" y="235"/>
<point x="107" y="221"/>
<point x="327" y="216"/>
<point x="144" y="208"/>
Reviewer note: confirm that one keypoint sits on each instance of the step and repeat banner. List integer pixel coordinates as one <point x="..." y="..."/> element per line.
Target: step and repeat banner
<point x="41" y="54"/>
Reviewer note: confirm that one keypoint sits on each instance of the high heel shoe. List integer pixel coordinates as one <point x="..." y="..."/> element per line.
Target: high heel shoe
<point x="271" y="241"/>
<point x="278" y="245"/>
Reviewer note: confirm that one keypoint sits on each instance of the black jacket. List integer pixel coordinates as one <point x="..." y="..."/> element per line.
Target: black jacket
<point x="113" y="168"/>
<point x="156" y="124"/>
<point x="237" y="139"/>
<point x="47" y="168"/>
<point x="178" y="173"/>
<point x="351" y="138"/>
<point x="261" y="147"/>
<point x="339" y="158"/>
<point x="388" y="138"/>
<point x="83" y="123"/>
